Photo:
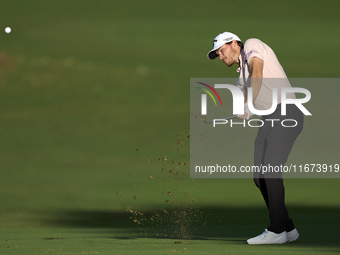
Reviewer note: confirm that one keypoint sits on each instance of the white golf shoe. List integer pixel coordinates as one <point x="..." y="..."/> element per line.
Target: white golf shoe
<point x="293" y="235"/>
<point x="268" y="237"/>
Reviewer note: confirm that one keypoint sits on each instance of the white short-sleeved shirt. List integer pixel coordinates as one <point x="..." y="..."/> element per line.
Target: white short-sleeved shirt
<point x="273" y="73"/>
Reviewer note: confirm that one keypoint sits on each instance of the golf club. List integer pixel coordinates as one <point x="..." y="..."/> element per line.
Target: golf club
<point x="208" y="122"/>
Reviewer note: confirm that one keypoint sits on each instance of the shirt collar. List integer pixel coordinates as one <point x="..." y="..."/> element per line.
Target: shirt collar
<point x="241" y="59"/>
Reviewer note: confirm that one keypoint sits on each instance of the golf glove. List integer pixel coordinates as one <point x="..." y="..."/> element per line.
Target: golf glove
<point x="246" y="110"/>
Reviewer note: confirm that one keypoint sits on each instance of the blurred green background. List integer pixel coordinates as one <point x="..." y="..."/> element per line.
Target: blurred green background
<point x="94" y="113"/>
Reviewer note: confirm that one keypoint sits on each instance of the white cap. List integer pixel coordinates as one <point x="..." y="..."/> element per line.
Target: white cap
<point x="221" y="39"/>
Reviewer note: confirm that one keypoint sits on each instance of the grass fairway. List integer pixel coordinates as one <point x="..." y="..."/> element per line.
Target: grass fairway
<point x="94" y="126"/>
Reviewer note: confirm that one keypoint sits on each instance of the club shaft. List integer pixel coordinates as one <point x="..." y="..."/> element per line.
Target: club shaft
<point x="228" y="118"/>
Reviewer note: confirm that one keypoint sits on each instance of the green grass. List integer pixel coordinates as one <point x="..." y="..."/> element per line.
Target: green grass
<point x="94" y="113"/>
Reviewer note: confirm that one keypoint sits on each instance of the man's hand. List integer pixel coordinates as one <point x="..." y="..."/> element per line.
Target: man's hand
<point x="247" y="113"/>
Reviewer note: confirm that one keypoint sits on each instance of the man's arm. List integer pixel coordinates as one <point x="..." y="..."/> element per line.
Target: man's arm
<point x="256" y="69"/>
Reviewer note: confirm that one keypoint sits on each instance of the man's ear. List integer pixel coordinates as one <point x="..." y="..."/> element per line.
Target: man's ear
<point x="234" y="44"/>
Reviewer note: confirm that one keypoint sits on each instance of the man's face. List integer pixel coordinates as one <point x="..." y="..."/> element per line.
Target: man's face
<point x="228" y="54"/>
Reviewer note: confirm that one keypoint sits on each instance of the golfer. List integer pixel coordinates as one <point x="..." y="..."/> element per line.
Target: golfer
<point x="260" y="69"/>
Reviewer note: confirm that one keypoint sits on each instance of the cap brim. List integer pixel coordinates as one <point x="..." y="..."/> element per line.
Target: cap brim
<point x="212" y="54"/>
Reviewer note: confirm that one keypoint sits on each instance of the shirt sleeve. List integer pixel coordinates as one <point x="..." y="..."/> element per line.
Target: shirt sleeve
<point x="253" y="48"/>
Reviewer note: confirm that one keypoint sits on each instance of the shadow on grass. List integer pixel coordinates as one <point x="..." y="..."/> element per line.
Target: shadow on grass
<point x="318" y="226"/>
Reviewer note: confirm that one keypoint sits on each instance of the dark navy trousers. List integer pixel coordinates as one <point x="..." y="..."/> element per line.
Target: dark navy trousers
<point x="273" y="145"/>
